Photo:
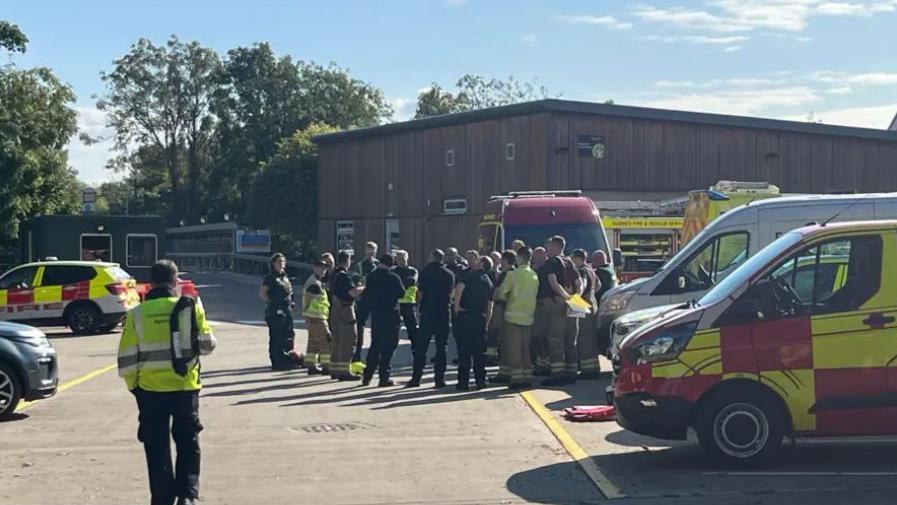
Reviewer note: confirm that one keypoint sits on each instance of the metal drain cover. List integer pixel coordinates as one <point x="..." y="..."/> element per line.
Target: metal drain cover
<point x="334" y="427"/>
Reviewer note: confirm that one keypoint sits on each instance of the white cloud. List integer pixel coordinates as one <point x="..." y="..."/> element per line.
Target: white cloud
<point x="732" y="49"/>
<point x="90" y="160"/>
<point x="841" y="90"/>
<point x="727" y="16"/>
<point x="605" y="21"/>
<point x="737" y="102"/>
<point x="861" y="79"/>
<point x="403" y="108"/>
<point x="704" y="39"/>
<point x="878" y="116"/>
<point x="529" y="39"/>
<point x="735" y="81"/>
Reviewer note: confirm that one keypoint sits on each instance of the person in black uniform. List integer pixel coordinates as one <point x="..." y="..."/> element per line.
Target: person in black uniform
<point x="342" y="318"/>
<point x="277" y="292"/>
<point x="473" y="308"/>
<point x="408" y="274"/>
<point x="362" y="310"/>
<point x="382" y="292"/>
<point x="435" y="291"/>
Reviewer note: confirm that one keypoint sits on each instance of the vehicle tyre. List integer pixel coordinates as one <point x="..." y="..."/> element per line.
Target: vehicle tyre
<point x="10" y="392"/>
<point x="83" y="319"/>
<point x="107" y="328"/>
<point x="742" y="430"/>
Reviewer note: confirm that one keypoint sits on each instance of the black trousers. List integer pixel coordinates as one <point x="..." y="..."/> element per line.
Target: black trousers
<point x="362" y="312"/>
<point x="470" y="336"/>
<point x="280" y="337"/>
<point x="409" y="318"/>
<point x="384" y="341"/>
<point x="432" y="324"/>
<point x="158" y="413"/>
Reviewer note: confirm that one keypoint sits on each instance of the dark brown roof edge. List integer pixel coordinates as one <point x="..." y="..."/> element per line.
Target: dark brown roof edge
<point x="600" y="109"/>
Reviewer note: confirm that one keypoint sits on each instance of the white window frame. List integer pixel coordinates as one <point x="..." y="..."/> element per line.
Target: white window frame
<point x="510" y="151"/>
<point x="447" y="211"/>
<point x="449" y="157"/>
<point x="111" y="245"/>
<point x="128" y="248"/>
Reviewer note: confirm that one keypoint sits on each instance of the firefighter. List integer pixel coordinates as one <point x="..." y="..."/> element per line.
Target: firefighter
<point x="277" y="292"/>
<point x="563" y="283"/>
<point x="408" y="274"/>
<point x="435" y="293"/>
<point x="362" y="309"/>
<point x="316" y="311"/>
<point x="382" y="292"/>
<point x="342" y="319"/>
<point x="496" y="323"/>
<point x="518" y="289"/>
<point x="473" y="308"/>
<point x="492" y="332"/>
<point x="587" y="342"/>
<point x="158" y="357"/>
<point x="607" y="280"/>
<point x="539" y="342"/>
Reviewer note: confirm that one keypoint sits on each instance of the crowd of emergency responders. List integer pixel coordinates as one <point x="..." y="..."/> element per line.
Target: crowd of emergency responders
<point x="531" y="311"/>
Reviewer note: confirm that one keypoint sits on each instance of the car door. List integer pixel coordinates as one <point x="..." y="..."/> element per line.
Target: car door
<point x="846" y="333"/>
<point x="58" y="284"/>
<point x="17" y="294"/>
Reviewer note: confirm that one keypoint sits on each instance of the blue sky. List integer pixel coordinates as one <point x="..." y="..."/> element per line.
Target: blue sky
<point x="769" y="58"/>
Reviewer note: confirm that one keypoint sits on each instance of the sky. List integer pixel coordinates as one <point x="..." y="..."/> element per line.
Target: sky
<point x="831" y="61"/>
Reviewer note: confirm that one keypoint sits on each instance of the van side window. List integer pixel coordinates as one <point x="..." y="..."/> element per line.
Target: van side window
<point x="711" y="264"/>
<point x="836" y="276"/>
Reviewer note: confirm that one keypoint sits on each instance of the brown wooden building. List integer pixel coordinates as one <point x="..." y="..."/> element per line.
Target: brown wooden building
<point x="422" y="184"/>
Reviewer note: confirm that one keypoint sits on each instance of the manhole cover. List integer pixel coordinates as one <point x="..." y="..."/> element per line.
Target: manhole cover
<point x="333" y="427"/>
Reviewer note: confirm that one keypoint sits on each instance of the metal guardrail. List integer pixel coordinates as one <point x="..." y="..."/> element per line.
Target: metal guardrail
<point x="242" y="263"/>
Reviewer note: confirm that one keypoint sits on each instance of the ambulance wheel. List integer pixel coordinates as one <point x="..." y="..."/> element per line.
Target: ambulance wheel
<point x="10" y="392"/>
<point x="742" y="430"/>
<point x="83" y="319"/>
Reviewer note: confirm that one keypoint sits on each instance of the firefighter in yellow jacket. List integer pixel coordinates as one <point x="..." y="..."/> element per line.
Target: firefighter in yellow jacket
<point x="158" y="357"/>
<point x="316" y="311"/>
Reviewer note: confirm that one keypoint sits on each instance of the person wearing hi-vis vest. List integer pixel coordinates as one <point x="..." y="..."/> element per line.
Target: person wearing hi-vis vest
<point x="158" y="357"/>
<point x="316" y="311"/>
<point x="408" y="274"/>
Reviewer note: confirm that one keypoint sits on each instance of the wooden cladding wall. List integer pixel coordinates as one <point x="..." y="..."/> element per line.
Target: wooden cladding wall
<point x="644" y="155"/>
<point x="406" y="174"/>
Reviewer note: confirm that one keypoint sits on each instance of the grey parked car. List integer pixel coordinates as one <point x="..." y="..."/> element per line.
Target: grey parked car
<point x="28" y="366"/>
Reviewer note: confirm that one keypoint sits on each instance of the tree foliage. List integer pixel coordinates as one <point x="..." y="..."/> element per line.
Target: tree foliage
<point x="36" y="122"/>
<point x="474" y="92"/>
<point x="284" y="197"/>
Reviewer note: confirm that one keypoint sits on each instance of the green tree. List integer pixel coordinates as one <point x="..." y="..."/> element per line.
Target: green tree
<point x="161" y="96"/>
<point x="36" y="122"/>
<point x="284" y="198"/>
<point x="474" y="92"/>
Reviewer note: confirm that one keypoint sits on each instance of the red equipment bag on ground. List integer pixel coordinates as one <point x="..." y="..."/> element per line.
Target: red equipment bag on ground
<point x="590" y="413"/>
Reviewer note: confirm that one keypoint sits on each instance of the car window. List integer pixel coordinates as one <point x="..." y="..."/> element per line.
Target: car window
<point x="714" y="262"/>
<point x="20" y="278"/>
<point x="118" y="274"/>
<point x="836" y="276"/>
<point x="63" y="275"/>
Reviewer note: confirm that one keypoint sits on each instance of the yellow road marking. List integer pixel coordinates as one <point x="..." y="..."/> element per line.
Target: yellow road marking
<point x="70" y="384"/>
<point x="588" y="465"/>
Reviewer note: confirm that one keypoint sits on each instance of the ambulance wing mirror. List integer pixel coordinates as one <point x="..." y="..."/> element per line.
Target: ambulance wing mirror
<point x="619" y="260"/>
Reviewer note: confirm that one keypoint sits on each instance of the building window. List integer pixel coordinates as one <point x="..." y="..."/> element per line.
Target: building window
<point x="450" y="158"/>
<point x="510" y="151"/>
<point x="392" y="235"/>
<point x="143" y="250"/>
<point x="345" y="236"/>
<point x="454" y="206"/>
<point x="96" y="247"/>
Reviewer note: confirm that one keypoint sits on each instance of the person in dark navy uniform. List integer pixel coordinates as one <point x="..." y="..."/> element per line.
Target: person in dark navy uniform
<point x="382" y="292"/>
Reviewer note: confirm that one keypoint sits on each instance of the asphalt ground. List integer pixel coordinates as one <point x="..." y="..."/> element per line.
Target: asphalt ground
<point x="286" y="437"/>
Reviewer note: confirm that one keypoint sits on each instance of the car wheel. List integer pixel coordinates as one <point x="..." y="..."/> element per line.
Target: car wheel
<point x="107" y="328"/>
<point x="83" y="320"/>
<point x="741" y="432"/>
<point x="10" y="392"/>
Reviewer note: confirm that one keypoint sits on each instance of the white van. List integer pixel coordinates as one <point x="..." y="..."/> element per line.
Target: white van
<point x="722" y="246"/>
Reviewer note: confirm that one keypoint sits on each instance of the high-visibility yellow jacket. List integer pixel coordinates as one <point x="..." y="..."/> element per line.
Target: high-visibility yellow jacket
<point x="148" y="345"/>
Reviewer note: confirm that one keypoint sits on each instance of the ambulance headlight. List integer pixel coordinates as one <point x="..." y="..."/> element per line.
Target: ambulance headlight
<point x="664" y="346"/>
